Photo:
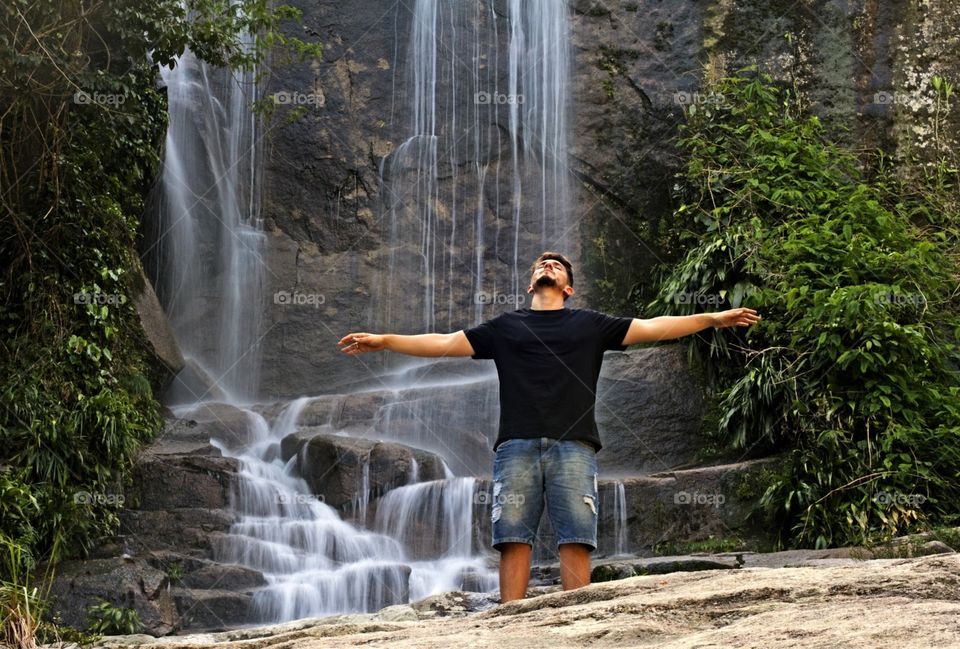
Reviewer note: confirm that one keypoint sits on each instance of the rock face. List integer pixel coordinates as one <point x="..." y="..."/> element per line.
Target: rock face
<point x="127" y="583"/>
<point x="865" y="604"/>
<point x="649" y="409"/>
<point x="160" y="564"/>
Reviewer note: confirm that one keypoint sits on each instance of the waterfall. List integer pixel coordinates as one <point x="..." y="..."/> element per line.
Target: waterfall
<point x="315" y="563"/>
<point x="479" y="185"/>
<point x="206" y="260"/>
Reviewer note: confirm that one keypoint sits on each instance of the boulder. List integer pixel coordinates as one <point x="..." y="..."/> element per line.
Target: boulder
<point x="189" y="530"/>
<point x="212" y="610"/>
<point x="157" y="328"/>
<point x="334" y="465"/>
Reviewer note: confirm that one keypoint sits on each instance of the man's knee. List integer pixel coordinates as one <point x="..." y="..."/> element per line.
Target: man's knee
<point x="512" y="549"/>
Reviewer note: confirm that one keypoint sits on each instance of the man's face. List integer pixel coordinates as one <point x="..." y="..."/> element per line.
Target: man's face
<point x="550" y="272"/>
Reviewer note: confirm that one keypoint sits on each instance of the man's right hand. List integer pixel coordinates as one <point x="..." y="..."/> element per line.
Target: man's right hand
<point x="358" y="343"/>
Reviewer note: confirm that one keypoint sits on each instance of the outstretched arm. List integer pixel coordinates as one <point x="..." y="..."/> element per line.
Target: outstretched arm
<point x="452" y="344"/>
<point x="669" y="327"/>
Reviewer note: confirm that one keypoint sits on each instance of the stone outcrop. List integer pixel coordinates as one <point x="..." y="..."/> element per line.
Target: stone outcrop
<point x="334" y="465"/>
<point x="873" y="604"/>
<point x="159" y="334"/>
<point x="124" y="582"/>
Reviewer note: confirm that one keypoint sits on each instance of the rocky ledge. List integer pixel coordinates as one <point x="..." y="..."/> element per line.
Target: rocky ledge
<point x="880" y="603"/>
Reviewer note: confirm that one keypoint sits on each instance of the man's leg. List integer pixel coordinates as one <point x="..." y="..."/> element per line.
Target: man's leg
<point x="514" y="570"/>
<point x="570" y="477"/>
<point x="516" y="505"/>
<point x="574" y="565"/>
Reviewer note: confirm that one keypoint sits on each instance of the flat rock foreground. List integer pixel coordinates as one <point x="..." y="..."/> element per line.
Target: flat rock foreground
<point x="881" y="603"/>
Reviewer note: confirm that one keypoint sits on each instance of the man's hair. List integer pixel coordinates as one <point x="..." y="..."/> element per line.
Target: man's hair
<point x="558" y="257"/>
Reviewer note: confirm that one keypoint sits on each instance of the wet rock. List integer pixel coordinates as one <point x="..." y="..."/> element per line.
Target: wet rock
<point x="212" y="609"/>
<point x="164" y="482"/>
<point x="189" y="530"/>
<point x="334" y="465"/>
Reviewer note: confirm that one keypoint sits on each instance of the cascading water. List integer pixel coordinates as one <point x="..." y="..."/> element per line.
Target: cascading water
<point x="479" y="186"/>
<point x="315" y="563"/>
<point x="207" y="258"/>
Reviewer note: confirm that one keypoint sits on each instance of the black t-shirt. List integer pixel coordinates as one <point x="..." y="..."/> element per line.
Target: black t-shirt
<point x="548" y="363"/>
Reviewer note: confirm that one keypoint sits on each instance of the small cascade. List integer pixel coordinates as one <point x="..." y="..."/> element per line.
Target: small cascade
<point x="314" y="562"/>
<point x="434" y="523"/>
<point x="620" y="519"/>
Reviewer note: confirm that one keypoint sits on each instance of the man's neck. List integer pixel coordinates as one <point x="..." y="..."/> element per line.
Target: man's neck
<point x="547" y="300"/>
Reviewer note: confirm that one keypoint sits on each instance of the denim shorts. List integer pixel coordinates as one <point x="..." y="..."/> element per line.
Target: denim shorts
<point x="531" y="473"/>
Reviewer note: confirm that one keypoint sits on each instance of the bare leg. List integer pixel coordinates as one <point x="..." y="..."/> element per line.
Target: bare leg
<point x="574" y="565"/>
<point x="514" y="570"/>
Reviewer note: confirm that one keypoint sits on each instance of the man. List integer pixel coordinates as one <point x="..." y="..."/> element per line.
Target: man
<point x="548" y="359"/>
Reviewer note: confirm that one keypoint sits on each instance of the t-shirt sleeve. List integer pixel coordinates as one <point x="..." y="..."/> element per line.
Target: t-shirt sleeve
<point x="612" y="330"/>
<point x="483" y="339"/>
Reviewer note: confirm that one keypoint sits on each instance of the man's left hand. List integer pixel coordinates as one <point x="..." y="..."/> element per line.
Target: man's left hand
<point x="742" y="317"/>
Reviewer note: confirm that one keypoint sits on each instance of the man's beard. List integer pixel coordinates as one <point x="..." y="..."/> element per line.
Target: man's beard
<point x="545" y="280"/>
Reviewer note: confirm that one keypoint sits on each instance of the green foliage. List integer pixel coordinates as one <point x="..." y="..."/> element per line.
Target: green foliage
<point x="711" y="544"/>
<point x="22" y="604"/>
<point x="852" y="372"/>
<point x="82" y="123"/>
<point x="107" y="619"/>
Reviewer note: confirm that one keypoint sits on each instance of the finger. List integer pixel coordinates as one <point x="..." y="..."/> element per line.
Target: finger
<point x="351" y="338"/>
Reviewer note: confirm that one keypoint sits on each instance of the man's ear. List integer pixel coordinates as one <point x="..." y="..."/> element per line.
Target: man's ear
<point x="567" y="291"/>
<point x="530" y="288"/>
